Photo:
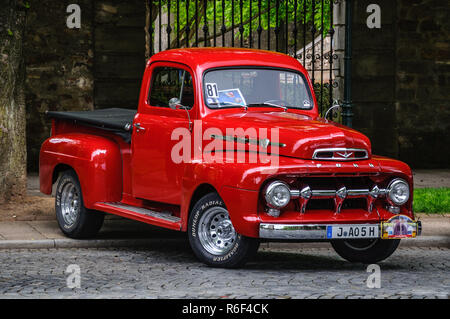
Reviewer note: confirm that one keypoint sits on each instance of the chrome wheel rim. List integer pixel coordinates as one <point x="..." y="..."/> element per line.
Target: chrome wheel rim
<point x="216" y="232"/>
<point x="70" y="204"/>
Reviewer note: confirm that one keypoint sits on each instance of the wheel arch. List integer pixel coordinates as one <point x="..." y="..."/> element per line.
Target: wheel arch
<point x="59" y="169"/>
<point x="96" y="160"/>
<point x="200" y="191"/>
<point x="189" y="201"/>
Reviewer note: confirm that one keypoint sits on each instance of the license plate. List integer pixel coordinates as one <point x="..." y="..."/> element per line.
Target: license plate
<point x="353" y="231"/>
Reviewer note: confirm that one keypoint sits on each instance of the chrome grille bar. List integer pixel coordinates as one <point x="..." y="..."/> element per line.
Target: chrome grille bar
<point x="339" y="195"/>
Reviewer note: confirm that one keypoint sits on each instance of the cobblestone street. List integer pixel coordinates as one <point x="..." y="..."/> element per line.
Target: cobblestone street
<point x="173" y="272"/>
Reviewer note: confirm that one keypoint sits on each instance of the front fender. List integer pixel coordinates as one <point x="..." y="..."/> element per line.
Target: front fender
<point x="238" y="184"/>
<point x="96" y="160"/>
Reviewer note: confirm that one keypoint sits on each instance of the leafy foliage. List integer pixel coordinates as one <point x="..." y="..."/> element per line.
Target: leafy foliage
<point x="233" y="13"/>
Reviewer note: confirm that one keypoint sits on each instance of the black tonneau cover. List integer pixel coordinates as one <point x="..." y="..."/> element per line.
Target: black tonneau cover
<point x="117" y="120"/>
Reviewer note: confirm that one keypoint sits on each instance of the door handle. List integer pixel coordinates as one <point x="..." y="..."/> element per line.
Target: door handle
<point x="139" y="127"/>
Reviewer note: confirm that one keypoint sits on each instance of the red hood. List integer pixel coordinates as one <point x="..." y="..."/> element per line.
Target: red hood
<point x="300" y="134"/>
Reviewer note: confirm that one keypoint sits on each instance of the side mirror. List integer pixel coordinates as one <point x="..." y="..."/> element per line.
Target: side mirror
<point x="335" y="105"/>
<point x="174" y="103"/>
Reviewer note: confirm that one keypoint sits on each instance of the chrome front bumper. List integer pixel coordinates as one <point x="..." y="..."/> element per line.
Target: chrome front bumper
<point x="310" y="231"/>
<point x="291" y="231"/>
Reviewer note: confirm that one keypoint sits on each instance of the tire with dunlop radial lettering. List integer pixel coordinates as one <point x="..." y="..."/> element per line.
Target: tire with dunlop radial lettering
<point x="213" y="238"/>
<point x="368" y="251"/>
<point x="75" y="220"/>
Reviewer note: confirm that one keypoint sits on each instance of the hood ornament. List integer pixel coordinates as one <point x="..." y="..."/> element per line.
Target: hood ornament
<point x="345" y="154"/>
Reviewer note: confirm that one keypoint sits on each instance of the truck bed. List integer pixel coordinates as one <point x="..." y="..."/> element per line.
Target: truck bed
<point x="118" y="120"/>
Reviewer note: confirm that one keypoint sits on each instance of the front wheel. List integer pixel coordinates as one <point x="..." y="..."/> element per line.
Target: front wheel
<point x="368" y="251"/>
<point x="213" y="238"/>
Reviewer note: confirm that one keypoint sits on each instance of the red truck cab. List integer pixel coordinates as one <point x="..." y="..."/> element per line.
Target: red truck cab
<point x="228" y="146"/>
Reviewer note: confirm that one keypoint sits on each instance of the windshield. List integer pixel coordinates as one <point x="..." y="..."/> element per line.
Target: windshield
<point x="256" y="87"/>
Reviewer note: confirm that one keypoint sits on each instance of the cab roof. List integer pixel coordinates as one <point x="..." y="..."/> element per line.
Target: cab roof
<point x="200" y="59"/>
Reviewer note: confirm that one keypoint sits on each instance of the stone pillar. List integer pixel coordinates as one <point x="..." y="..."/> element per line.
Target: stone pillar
<point x="119" y="52"/>
<point x="162" y="20"/>
<point x="373" y="77"/>
<point x="338" y="48"/>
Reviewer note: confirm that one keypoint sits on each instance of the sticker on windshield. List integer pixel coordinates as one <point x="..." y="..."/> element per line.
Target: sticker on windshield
<point x="306" y="103"/>
<point x="231" y="97"/>
<point x="211" y="90"/>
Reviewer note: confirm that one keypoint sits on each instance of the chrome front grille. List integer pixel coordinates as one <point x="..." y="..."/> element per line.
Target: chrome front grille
<point x="336" y="194"/>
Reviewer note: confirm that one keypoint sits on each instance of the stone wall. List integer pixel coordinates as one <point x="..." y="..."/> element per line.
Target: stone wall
<point x="401" y="77"/>
<point x="423" y="82"/>
<point x="99" y="65"/>
<point x="58" y="64"/>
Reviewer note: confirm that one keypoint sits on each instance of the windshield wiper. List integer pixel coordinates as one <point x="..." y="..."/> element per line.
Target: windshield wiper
<point x="285" y="108"/>
<point x="228" y="104"/>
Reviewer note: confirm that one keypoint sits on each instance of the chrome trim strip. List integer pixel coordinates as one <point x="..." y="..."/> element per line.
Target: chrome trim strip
<point x="358" y="192"/>
<point x="298" y="231"/>
<point x="165" y="215"/>
<point x="324" y="193"/>
<point x="295" y="193"/>
<point x="343" y="158"/>
<point x="260" y="142"/>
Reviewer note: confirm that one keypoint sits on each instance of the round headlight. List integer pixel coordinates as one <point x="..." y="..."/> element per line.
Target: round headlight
<point x="398" y="191"/>
<point x="277" y="194"/>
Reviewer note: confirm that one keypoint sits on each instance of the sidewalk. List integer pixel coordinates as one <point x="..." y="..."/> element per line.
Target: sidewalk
<point x="117" y="232"/>
<point x="431" y="178"/>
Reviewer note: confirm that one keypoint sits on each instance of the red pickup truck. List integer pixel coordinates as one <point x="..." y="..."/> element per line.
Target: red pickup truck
<point x="228" y="146"/>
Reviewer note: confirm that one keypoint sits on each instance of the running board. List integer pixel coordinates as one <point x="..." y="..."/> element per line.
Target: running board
<point x="162" y="219"/>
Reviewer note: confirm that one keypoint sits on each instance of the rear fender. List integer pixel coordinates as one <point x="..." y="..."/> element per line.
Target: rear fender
<point x="96" y="160"/>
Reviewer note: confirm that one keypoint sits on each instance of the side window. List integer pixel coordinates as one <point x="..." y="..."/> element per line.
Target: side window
<point x="167" y="83"/>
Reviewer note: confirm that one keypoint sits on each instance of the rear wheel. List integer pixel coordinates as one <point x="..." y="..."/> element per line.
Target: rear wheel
<point x="366" y="251"/>
<point x="75" y="220"/>
<point x="213" y="237"/>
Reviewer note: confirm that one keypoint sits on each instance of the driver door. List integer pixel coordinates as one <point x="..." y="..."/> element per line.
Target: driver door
<point x="155" y="175"/>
